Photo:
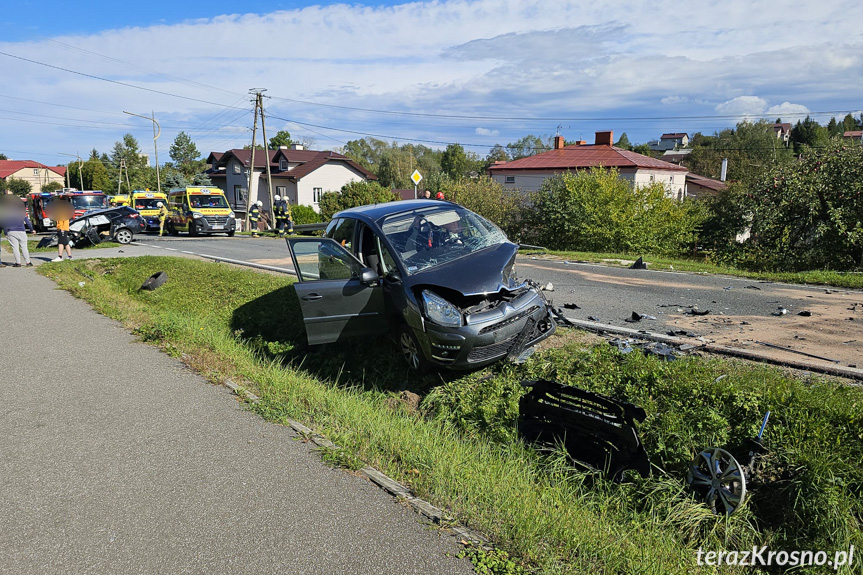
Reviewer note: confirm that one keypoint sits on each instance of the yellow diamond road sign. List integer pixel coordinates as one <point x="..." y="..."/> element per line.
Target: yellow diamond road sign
<point x="416" y="177"/>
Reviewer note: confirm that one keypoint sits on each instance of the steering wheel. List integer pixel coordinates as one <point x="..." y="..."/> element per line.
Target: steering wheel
<point x="424" y="230"/>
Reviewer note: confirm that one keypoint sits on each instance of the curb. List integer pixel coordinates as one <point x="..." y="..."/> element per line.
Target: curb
<point x="690" y="344"/>
<point x="388" y="484"/>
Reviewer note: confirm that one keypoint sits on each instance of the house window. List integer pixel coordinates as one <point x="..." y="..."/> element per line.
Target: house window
<point x="239" y="195"/>
<point x="236" y="167"/>
<point x="509" y="179"/>
<point x="35" y="171"/>
<point x="283" y="164"/>
<point x="316" y="194"/>
<point x="282" y="191"/>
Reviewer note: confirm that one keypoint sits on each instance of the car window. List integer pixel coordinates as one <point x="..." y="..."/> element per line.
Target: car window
<point x="342" y="230"/>
<point x="428" y="237"/>
<point x="324" y="260"/>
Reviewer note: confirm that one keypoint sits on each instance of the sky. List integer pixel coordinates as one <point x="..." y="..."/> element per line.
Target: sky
<point x="473" y="72"/>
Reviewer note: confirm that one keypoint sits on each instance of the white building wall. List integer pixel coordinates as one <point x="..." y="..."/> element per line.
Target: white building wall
<point x="675" y="182"/>
<point x="330" y="178"/>
<point x="38" y="177"/>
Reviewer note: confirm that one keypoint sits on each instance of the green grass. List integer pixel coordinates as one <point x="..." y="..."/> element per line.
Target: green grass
<point x="701" y="264"/>
<point x="31" y="245"/>
<point x="461" y="451"/>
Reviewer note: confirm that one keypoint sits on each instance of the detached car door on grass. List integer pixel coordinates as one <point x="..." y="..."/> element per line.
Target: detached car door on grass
<point x="340" y="298"/>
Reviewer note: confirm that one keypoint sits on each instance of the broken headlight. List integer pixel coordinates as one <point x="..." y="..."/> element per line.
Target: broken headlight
<point x="441" y="311"/>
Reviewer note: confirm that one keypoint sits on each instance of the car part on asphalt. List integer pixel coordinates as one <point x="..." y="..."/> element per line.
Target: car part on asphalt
<point x="638" y="265"/>
<point x="788" y="349"/>
<point x="155" y="281"/>
<point x="597" y="431"/>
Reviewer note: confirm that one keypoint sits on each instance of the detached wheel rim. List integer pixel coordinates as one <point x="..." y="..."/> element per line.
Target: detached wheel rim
<point x="717" y="476"/>
<point x="123" y="236"/>
<point x="410" y="350"/>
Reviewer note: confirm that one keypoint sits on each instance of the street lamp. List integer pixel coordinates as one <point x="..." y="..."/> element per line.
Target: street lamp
<point x="155" y="145"/>
<point x="80" y="177"/>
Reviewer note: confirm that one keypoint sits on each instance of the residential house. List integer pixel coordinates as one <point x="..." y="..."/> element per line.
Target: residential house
<point x="678" y="157"/>
<point x="528" y="174"/>
<point x="783" y="132"/>
<point x="853" y="135"/>
<point x="700" y="187"/>
<point x="297" y="174"/>
<point x="35" y="173"/>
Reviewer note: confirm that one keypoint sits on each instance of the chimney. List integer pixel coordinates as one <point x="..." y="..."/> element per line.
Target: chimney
<point x="724" y="169"/>
<point x="297" y="147"/>
<point x="559" y="142"/>
<point x="580" y="143"/>
<point x="283" y="147"/>
<point x="605" y="138"/>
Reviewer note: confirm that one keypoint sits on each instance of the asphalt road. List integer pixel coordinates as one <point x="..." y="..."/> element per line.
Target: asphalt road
<point x="115" y="458"/>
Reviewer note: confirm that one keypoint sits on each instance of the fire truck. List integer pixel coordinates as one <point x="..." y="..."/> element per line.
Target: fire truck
<point x="83" y="202"/>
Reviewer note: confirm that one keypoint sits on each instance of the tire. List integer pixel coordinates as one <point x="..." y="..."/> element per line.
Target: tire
<point x="193" y="229"/>
<point x="124" y="236"/>
<point x="172" y="230"/>
<point x="154" y="281"/>
<point x="230" y="234"/>
<point x="410" y="350"/>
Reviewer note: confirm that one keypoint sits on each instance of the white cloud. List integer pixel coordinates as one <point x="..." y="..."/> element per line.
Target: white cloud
<point x="503" y="58"/>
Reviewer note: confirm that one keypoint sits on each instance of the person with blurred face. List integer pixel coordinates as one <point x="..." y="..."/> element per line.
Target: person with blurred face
<point x="61" y="212"/>
<point x="14" y="220"/>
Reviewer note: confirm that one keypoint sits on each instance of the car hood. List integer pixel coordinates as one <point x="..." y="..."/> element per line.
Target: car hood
<point x="484" y="272"/>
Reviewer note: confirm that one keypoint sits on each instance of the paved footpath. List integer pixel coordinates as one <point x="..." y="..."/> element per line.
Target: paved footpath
<point x="115" y="458"/>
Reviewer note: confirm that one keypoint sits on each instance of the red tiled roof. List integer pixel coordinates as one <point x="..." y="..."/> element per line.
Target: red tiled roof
<point x="9" y="167"/>
<point x="782" y="127"/>
<point x="672" y="136"/>
<point x="581" y="157"/>
<point x="853" y="134"/>
<point x="309" y="161"/>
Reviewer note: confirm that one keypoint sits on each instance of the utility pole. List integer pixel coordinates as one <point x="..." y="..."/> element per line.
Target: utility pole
<point x="266" y="150"/>
<point x="251" y="167"/>
<point x="156" y="125"/>
<point x="80" y="176"/>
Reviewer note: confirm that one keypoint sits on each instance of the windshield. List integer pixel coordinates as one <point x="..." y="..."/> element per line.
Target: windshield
<point x="89" y="202"/>
<point x="207" y="201"/>
<point x="428" y="237"/>
<point x="148" y="203"/>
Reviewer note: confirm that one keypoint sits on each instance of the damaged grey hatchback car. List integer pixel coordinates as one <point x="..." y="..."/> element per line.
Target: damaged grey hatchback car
<point x="437" y="276"/>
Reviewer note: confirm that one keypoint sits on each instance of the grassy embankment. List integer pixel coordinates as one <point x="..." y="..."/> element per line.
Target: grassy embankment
<point x="699" y="264"/>
<point x="460" y="449"/>
<point x="31" y="245"/>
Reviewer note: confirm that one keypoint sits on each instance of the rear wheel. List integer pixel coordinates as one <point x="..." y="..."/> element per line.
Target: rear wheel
<point x="124" y="235"/>
<point x="172" y="230"/>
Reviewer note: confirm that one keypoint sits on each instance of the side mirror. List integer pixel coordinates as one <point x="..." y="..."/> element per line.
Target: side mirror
<point x="368" y="276"/>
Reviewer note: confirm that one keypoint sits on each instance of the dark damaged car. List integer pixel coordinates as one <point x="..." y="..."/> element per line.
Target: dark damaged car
<point x="434" y="274"/>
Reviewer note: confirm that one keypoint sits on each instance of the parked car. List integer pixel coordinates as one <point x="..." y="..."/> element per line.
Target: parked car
<point x="119" y="224"/>
<point x="437" y="276"/>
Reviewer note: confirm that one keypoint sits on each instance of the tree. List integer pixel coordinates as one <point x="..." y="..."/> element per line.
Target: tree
<point x="623" y="142"/>
<point x="497" y="154"/>
<point x="18" y="187"/>
<point x="282" y="138"/>
<point x="454" y="162"/>
<point x="3" y="157"/>
<point x="528" y="146"/>
<point x="354" y="194"/>
<point x="596" y="210"/>
<point x="186" y="156"/>
<point x="95" y="174"/>
<point x="486" y="197"/>
<point x="141" y="176"/>
<point x="809" y="134"/>
<point x="52" y="187"/>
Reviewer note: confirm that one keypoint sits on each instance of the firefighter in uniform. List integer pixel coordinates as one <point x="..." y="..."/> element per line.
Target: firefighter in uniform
<point x="163" y="213"/>
<point x="278" y="214"/>
<point x="255" y="217"/>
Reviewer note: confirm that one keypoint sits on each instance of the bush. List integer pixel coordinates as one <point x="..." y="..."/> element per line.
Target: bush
<point x="808" y="215"/>
<point x="18" y="187"/>
<point x="354" y="194"/>
<point x="596" y="210"/>
<point x="487" y="198"/>
<point x="305" y="215"/>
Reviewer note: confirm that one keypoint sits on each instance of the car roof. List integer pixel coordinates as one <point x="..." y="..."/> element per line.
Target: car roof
<point x="374" y="212"/>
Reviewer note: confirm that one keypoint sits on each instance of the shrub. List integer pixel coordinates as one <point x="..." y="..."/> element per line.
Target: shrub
<point x="596" y="210"/>
<point x="487" y="198"/>
<point x="354" y="194"/>
<point x="305" y="215"/>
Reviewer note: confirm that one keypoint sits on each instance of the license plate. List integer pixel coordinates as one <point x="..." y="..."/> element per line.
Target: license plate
<point x="218" y="226"/>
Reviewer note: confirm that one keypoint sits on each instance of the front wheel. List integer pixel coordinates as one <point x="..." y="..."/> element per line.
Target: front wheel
<point x="230" y="234"/>
<point x="193" y="229"/>
<point x="123" y="236"/>
<point x="412" y="352"/>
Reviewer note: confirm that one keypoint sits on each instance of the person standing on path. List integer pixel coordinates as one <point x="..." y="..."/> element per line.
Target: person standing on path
<point x="163" y="213"/>
<point x="279" y="216"/>
<point x="61" y="212"/>
<point x="254" y="217"/>
<point x="15" y="221"/>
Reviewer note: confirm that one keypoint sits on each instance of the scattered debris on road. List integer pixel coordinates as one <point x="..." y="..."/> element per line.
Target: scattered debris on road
<point x="638" y="265"/>
<point x="780" y="311"/>
<point x="570" y="306"/>
<point x="788" y="349"/>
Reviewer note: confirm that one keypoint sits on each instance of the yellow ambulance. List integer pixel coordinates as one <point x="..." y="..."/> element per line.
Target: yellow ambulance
<point x="147" y="204"/>
<point x="199" y="210"/>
